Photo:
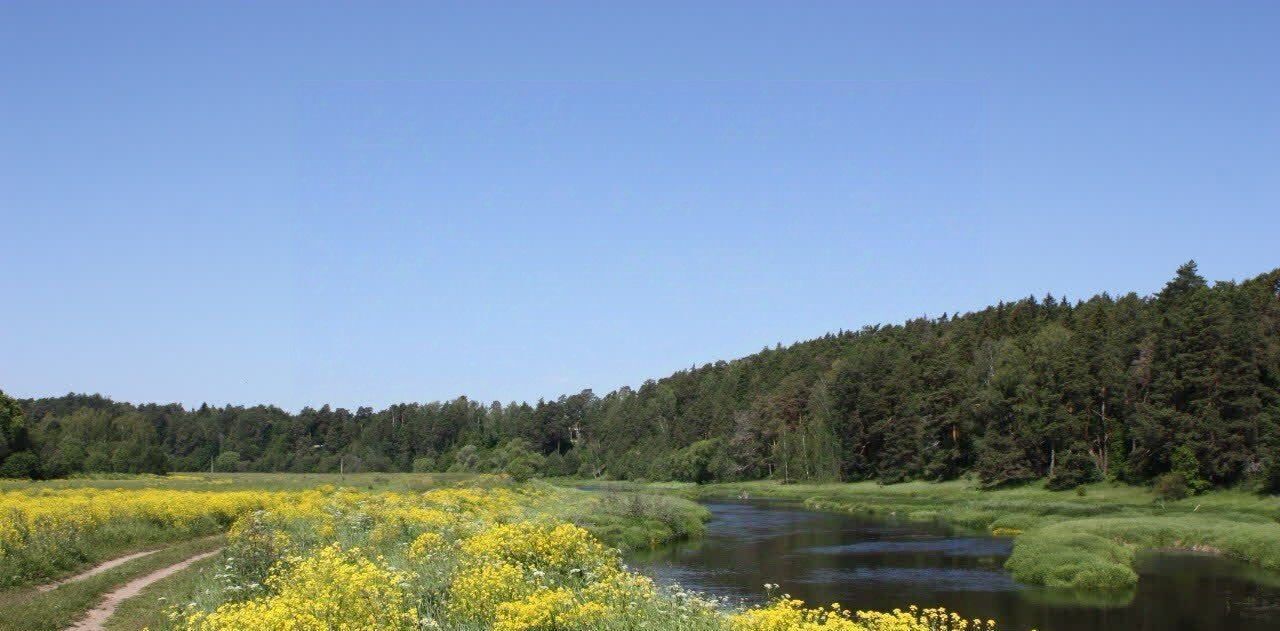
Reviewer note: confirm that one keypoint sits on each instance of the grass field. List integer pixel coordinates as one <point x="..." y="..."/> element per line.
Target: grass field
<point x="375" y="551"/>
<point x="1080" y="540"/>
<point x="28" y="609"/>
<point x="59" y="527"/>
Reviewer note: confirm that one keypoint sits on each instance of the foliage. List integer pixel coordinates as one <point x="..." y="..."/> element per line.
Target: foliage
<point x="1271" y="476"/>
<point x="16" y="459"/>
<point x="701" y="462"/>
<point x="1075" y="470"/>
<point x="1171" y="486"/>
<point x="1187" y="466"/>
<point x="1126" y="388"/>
<point x="227" y="461"/>
<point x="21" y="464"/>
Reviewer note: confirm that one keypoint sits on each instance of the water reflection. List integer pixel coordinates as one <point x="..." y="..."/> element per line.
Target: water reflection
<point x="946" y="546"/>
<point x="865" y="563"/>
<point x="948" y="579"/>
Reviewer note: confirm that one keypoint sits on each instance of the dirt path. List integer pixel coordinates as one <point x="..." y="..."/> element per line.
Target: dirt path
<point x="97" y="617"/>
<point x="97" y="569"/>
<point x="102" y="567"/>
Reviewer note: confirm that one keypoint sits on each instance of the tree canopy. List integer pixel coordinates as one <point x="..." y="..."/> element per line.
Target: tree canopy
<point x="1126" y="388"/>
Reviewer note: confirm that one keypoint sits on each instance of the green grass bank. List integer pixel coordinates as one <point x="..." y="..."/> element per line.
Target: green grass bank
<point x="1079" y="540"/>
<point x="28" y="609"/>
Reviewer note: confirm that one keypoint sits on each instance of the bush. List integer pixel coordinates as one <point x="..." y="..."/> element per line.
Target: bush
<point x="521" y="469"/>
<point x="1271" y="477"/>
<point x="1001" y="462"/>
<point x="424" y="464"/>
<point x="465" y="460"/>
<point x="1185" y="463"/>
<point x="515" y="458"/>
<point x="557" y="464"/>
<point x="23" y="464"/>
<point x="697" y="462"/>
<point x="1171" y="487"/>
<point x="1075" y="469"/>
<point x="571" y="464"/>
<point x="227" y="461"/>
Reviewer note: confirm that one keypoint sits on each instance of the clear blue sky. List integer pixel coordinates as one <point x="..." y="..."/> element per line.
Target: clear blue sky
<point x="365" y="203"/>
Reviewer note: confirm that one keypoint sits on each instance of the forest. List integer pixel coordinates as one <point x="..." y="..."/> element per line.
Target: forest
<point x="1182" y="386"/>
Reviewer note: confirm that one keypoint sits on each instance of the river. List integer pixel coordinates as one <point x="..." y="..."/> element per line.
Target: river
<point x="868" y="563"/>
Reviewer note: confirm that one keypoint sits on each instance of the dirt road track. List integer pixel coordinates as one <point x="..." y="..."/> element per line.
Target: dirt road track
<point x="97" y="617"/>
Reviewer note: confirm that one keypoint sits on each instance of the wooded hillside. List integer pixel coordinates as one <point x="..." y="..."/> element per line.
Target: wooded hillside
<point x="1128" y="388"/>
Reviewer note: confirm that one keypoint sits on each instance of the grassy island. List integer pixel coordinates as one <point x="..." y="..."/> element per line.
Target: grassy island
<point x="1083" y="539"/>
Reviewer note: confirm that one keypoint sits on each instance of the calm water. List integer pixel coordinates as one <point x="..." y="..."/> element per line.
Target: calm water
<point x="865" y="563"/>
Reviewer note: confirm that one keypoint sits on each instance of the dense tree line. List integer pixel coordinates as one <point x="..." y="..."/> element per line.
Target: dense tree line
<point x="1126" y="388"/>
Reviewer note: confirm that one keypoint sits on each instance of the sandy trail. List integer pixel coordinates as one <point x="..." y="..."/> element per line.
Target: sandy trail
<point x="97" y="617"/>
<point x="100" y="568"/>
<point x="97" y="569"/>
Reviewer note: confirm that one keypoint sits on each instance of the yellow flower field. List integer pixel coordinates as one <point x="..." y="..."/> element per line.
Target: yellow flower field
<point x="46" y="531"/>
<point x="468" y="558"/>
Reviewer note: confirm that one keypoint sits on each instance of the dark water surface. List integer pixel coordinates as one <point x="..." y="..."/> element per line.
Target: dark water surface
<point x="866" y="563"/>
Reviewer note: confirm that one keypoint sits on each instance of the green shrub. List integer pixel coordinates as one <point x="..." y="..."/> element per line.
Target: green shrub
<point x="1171" y="487"/>
<point x="227" y="461"/>
<point x="520" y="469"/>
<point x="1271" y="477"/>
<point x="1075" y="469"/>
<point x="23" y="464"/>
<point x="1185" y="463"/>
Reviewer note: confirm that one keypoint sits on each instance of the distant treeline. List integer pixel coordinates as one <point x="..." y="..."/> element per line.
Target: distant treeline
<point x="1127" y="388"/>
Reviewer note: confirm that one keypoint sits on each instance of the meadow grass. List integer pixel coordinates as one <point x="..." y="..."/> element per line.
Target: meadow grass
<point x="152" y="608"/>
<point x="632" y="520"/>
<point x="28" y="609"/>
<point x="1097" y="553"/>
<point x="628" y="519"/>
<point x="400" y="551"/>
<point x="46" y="533"/>
<point x="1078" y="540"/>
<point x="508" y="557"/>
<point x="62" y="557"/>
<point x="203" y="481"/>
<point x="54" y="544"/>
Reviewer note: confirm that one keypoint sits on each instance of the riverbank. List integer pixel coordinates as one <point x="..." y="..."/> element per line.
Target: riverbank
<point x="56" y="527"/>
<point x="1079" y="540"/>
<point x="96" y="518"/>
<point x="482" y="552"/>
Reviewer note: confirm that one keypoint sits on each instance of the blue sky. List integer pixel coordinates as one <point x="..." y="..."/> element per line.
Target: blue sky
<point x="365" y="203"/>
